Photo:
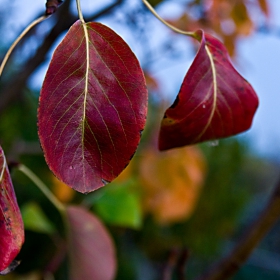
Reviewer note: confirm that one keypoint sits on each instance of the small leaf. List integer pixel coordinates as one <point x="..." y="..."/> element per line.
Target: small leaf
<point x="119" y="205"/>
<point x="11" y="225"/>
<point x="35" y="219"/>
<point x="92" y="252"/>
<point x="214" y="101"/>
<point x="93" y="107"/>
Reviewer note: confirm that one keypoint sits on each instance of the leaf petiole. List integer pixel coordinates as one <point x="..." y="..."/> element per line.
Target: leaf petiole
<point x="37" y="181"/>
<point x="80" y="11"/>
<point x="24" y="32"/>
<point x="177" y="30"/>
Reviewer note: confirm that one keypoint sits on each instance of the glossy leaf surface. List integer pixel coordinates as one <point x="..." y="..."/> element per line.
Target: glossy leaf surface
<point x="11" y="225"/>
<point x="93" y="107"/>
<point x="91" y="250"/>
<point x="214" y="101"/>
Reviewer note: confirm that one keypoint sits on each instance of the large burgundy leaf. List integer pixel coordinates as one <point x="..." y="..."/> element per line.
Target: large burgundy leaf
<point x="93" y="107"/>
<point x="91" y="250"/>
<point x="11" y="225"/>
<point x="214" y="101"/>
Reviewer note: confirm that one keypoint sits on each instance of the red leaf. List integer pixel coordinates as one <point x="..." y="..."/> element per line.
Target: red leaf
<point x="92" y="253"/>
<point x="11" y="225"/>
<point x="214" y="101"/>
<point x="93" y="107"/>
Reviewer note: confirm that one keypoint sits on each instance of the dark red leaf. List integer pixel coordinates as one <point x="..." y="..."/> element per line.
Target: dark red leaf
<point x="93" y="107"/>
<point x="91" y="250"/>
<point x="11" y="225"/>
<point x="214" y="101"/>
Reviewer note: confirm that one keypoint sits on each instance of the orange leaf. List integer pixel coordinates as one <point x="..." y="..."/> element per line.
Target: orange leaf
<point x="61" y="190"/>
<point x="264" y="7"/>
<point x="152" y="82"/>
<point x="243" y="22"/>
<point x="172" y="182"/>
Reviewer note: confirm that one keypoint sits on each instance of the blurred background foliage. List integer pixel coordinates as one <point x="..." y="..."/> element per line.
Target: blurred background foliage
<point x="191" y="203"/>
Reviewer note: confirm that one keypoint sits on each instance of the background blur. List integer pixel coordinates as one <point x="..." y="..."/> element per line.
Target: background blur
<point x="194" y="201"/>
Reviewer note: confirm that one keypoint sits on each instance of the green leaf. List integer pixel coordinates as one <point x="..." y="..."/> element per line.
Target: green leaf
<point x="34" y="219"/>
<point x="119" y="205"/>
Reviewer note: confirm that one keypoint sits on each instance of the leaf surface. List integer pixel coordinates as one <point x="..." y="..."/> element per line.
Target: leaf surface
<point x="120" y="205"/>
<point x="93" y="107"/>
<point x="91" y="250"/>
<point x="214" y="101"/>
<point x="11" y="225"/>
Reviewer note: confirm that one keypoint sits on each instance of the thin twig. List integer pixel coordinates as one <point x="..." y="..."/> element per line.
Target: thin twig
<point x="229" y="265"/>
<point x="11" y="90"/>
<point x="181" y="264"/>
<point x="58" y="257"/>
<point x="24" y="32"/>
<point x="44" y="189"/>
<point x="177" y="30"/>
<point x="169" y="265"/>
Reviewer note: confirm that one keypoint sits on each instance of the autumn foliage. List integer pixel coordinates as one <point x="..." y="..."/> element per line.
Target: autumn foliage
<point x="11" y="225"/>
<point x="172" y="182"/>
<point x="92" y="113"/>
<point x="214" y="100"/>
<point x="230" y="20"/>
<point x="93" y="107"/>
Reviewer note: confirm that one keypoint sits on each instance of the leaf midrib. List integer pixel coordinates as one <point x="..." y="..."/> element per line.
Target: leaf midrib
<point x="215" y="91"/>
<point x="86" y="93"/>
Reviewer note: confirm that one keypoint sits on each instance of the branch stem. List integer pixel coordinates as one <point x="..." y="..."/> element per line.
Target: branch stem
<point x="177" y="30"/>
<point x="24" y="32"/>
<point x="229" y="265"/>
<point x="45" y="190"/>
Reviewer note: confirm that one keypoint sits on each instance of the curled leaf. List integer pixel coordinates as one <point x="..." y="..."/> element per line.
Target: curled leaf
<point x="214" y="101"/>
<point x="93" y="107"/>
<point x="11" y="224"/>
